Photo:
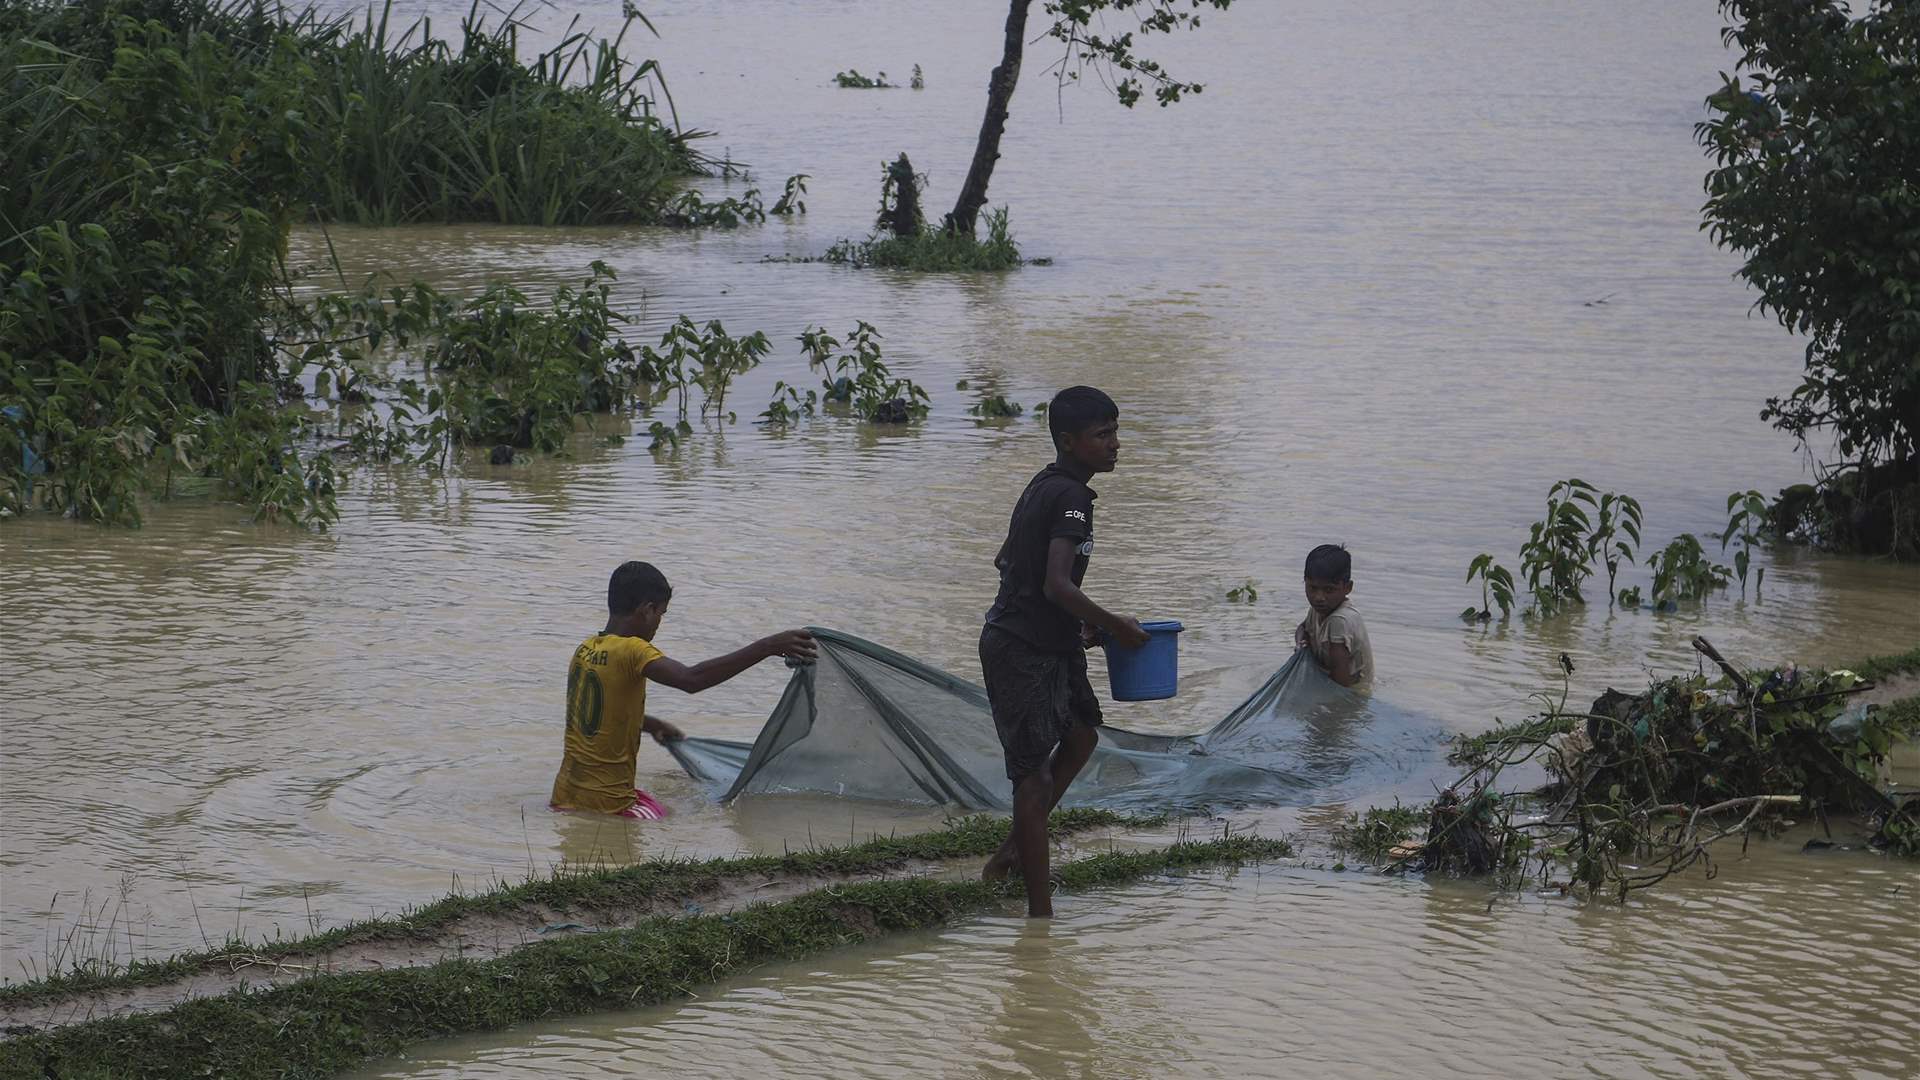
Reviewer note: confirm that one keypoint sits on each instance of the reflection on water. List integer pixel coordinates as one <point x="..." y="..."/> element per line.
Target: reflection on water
<point x="1341" y="296"/>
<point x="1779" y="967"/>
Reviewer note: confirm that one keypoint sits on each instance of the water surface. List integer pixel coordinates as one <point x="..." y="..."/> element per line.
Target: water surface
<point x="1351" y="293"/>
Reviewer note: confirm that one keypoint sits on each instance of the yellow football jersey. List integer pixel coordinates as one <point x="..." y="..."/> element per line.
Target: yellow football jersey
<point x="606" y="706"/>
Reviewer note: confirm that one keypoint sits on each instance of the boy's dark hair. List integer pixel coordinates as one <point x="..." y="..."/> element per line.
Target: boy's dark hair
<point x="1076" y="409"/>
<point x="636" y="583"/>
<point x="1329" y="562"/>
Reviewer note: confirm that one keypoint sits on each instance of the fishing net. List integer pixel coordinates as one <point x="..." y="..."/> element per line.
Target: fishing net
<point x="866" y="722"/>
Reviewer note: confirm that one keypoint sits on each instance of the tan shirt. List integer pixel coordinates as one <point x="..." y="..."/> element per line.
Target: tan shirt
<point x="1343" y="627"/>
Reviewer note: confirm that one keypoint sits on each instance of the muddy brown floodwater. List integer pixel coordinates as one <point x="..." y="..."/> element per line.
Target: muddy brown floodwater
<point x="1354" y="292"/>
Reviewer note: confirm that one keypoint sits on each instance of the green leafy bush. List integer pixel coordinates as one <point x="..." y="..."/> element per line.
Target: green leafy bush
<point x="512" y="372"/>
<point x="1815" y="151"/>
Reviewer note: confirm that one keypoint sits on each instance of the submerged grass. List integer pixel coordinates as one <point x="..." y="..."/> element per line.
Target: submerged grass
<point x="1373" y="835"/>
<point x="934" y="250"/>
<point x="599" y="888"/>
<point x="326" y="1023"/>
<point x="1881" y="667"/>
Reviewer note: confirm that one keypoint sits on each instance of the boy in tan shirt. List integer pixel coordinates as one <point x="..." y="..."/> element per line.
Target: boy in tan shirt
<point x="1333" y="629"/>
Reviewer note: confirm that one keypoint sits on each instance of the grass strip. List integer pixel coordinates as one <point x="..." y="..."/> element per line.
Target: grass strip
<point x="326" y="1023"/>
<point x="1880" y="667"/>
<point x="600" y="888"/>
<point x="1903" y="714"/>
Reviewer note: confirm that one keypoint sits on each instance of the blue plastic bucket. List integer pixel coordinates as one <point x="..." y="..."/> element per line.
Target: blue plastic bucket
<point x="1150" y="672"/>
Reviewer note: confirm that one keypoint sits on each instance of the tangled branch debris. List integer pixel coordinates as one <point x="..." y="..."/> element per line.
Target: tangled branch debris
<point x="1644" y="784"/>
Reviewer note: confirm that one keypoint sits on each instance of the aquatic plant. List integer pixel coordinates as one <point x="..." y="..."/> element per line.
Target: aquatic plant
<point x="851" y="79"/>
<point x="1616" y="534"/>
<point x="855" y="376"/>
<point x="789" y="404"/>
<point x="705" y="357"/>
<point x="1583" y="526"/>
<point x="690" y="211"/>
<point x="919" y="80"/>
<point x="995" y="407"/>
<point x="1247" y="592"/>
<point x="790" y="201"/>
<point x="1558" y="554"/>
<point x="1681" y="571"/>
<point x="664" y="436"/>
<point x="1496" y="589"/>
<point x="1747" y="515"/>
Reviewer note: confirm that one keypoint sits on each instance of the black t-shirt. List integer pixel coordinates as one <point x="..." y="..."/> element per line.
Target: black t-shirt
<point x="1054" y="504"/>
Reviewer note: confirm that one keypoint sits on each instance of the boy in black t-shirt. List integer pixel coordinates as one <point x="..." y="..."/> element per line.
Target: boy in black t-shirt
<point x="1033" y="649"/>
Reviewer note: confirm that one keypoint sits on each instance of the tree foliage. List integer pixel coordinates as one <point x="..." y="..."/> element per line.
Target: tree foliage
<point x="1816" y="144"/>
<point x="1078" y="26"/>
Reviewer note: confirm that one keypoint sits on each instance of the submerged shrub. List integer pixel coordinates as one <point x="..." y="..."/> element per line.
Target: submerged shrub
<point x="851" y="79"/>
<point x="857" y="378"/>
<point x="933" y="250"/>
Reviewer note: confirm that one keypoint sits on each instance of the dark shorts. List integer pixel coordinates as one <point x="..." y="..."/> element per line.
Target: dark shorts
<point x="1037" y="698"/>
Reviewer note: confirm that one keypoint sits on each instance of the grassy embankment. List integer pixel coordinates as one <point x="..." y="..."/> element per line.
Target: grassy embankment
<point x="325" y="1023"/>
<point x="595" y="889"/>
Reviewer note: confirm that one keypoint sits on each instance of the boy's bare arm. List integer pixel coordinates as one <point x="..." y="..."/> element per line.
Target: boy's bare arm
<point x="1060" y="590"/>
<point x="1340" y="664"/>
<point x="693" y="678"/>
<point x="661" y="731"/>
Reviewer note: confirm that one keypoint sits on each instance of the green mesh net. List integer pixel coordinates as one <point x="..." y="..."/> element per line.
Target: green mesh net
<point x="869" y="723"/>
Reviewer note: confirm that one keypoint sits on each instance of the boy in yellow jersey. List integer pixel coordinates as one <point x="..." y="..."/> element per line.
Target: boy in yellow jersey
<point x="607" y="694"/>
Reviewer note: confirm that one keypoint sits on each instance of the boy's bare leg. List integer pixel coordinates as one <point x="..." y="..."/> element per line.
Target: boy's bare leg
<point x="1065" y="764"/>
<point x="1031" y="801"/>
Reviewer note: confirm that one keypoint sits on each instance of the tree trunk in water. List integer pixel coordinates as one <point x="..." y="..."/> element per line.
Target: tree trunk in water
<point x="973" y="193"/>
